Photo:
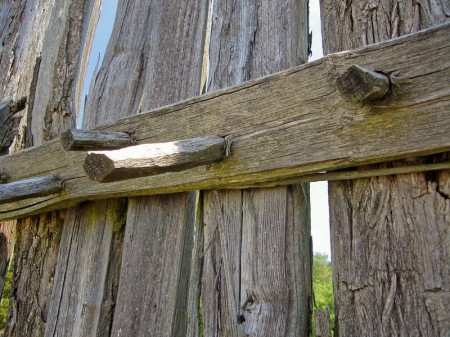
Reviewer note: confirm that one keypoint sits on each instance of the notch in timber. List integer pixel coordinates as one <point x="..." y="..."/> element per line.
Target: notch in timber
<point x="150" y="159"/>
<point x="358" y="84"/>
<point x="33" y="187"/>
<point x="84" y="140"/>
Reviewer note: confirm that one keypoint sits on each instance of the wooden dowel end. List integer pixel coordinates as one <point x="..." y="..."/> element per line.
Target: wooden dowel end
<point x="150" y="159"/>
<point x="33" y="187"/>
<point x="86" y="140"/>
<point x="359" y="84"/>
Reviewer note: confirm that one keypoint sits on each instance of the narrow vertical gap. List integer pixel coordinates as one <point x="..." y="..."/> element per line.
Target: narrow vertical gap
<point x="101" y="39"/>
<point x="320" y="223"/>
<point x="5" y="296"/>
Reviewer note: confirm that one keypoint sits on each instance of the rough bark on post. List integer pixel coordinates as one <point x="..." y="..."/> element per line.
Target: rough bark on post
<point x="256" y="275"/>
<point x="390" y="235"/>
<point x="28" y="28"/>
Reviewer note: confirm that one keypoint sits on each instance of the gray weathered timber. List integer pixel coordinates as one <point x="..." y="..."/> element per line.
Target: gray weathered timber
<point x="154" y="58"/>
<point x="159" y="245"/>
<point x="84" y="140"/>
<point x="33" y="187"/>
<point x="390" y="234"/>
<point x="297" y="112"/>
<point x="82" y="303"/>
<point x="40" y="38"/>
<point x="9" y="122"/>
<point x="362" y="85"/>
<point x="256" y="272"/>
<point x="150" y="159"/>
<point x="322" y="322"/>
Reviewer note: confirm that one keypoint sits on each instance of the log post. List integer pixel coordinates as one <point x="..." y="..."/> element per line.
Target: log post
<point x="150" y="159"/>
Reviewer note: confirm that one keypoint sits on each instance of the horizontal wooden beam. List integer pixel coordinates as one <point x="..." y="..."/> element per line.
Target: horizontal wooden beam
<point x="28" y="188"/>
<point x="280" y="127"/>
<point x="150" y="159"/>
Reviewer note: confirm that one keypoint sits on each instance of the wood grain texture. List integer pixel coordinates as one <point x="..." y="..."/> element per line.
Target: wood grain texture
<point x="83" y="140"/>
<point x="152" y="296"/>
<point x="154" y="58"/>
<point x="151" y="159"/>
<point x="390" y="235"/>
<point x="28" y="188"/>
<point x="26" y="39"/>
<point x="313" y="131"/>
<point x="358" y="84"/>
<point x="322" y="322"/>
<point x="256" y="280"/>
<point x="81" y="304"/>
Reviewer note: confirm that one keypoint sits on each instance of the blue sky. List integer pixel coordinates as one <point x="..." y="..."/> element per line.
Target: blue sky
<point x="319" y="192"/>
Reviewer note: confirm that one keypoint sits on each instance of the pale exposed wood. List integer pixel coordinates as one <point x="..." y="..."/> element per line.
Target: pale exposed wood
<point x="390" y="234"/>
<point x="28" y="188"/>
<point x="361" y="85"/>
<point x="313" y="131"/>
<point x="83" y="140"/>
<point x="256" y="270"/>
<point x="150" y="159"/>
<point x="322" y="322"/>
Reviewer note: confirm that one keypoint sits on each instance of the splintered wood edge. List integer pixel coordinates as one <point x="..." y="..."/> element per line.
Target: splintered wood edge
<point x="151" y="159"/>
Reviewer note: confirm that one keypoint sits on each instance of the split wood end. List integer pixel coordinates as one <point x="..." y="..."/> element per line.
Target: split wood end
<point x="359" y="84"/>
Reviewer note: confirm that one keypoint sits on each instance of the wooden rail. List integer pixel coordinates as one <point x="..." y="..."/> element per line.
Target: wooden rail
<point x="284" y="127"/>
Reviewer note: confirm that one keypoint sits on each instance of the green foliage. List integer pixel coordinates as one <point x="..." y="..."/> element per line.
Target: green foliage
<point x="4" y="302"/>
<point x="323" y="284"/>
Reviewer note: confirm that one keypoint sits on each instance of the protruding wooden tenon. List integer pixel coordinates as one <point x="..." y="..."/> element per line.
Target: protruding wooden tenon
<point x="33" y="187"/>
<point x="150" y="159"/>
<point x="86" y="140"/>
<point x="359" y="84"/>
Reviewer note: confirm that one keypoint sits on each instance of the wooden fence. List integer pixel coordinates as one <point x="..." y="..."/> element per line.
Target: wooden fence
<point x="138" y="252"/>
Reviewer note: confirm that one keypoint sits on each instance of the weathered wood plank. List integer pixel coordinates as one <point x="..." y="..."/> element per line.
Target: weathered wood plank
<point x="256" y="272"/>
<point x="390" y="235"/>
<point x="299" y="113"/>
<point x="154" y="59"/>
<point x="33" y="187"/>
<point x="84" y="140"/>
<point x="150" y="159"/>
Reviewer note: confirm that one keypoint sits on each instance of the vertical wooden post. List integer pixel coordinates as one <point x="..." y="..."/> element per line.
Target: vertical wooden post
<point x="390" y="243"/>
<point x="256" y="276"/>
<point x="37" y="47"/>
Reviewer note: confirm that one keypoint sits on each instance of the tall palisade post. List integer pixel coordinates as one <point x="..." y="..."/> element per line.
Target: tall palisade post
<point x="138" y="282"/>
<point x="256" y="274"/>
<point x="45" y="45"/>
<point x="390" y="235"/>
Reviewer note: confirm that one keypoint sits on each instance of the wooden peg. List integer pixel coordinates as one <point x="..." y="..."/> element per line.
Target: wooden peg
<point x="33" y="187"/>
<point x="359" y="84"/>
<point x="83" y="140"/>
<point x="150" y="159"/>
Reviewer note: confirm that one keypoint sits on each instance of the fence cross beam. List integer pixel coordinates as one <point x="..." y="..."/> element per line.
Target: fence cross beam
<point x="289" y="126"/>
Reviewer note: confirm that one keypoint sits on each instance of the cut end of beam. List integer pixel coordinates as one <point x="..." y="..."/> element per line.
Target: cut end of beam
<point x="150" y="159"/>
<point x="359" y="84"/>
<point x="84" y="140"/>
<point x="28" y="188"/>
